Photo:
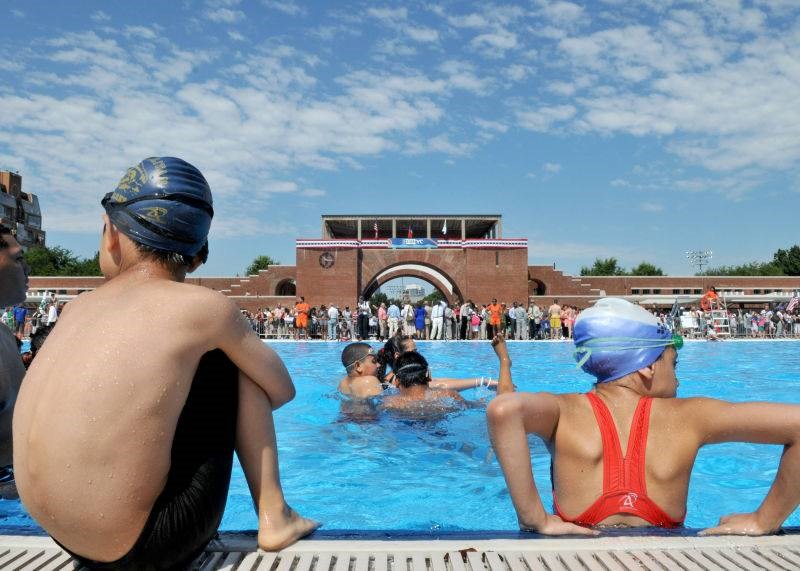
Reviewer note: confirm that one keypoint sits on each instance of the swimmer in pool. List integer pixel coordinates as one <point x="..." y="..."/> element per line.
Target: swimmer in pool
<point x="633" y="408"/>
<point x="397" y="345"/>
<point x="124" y="433"/>
<point x="415" y="393"/>
<point x="361" y="364"/>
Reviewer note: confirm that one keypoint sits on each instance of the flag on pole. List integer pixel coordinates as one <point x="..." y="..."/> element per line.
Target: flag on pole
<point x="793" y="303"/>
<point x="410" y="232"/>
<point x="375" y="227"/>
<point x="43" y="303"/>
<point x="444" y="228"/>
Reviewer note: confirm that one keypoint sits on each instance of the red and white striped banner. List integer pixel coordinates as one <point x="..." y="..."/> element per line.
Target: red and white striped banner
<point x="488" y="243"/>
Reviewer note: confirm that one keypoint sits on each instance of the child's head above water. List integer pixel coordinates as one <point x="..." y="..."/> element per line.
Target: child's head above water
<point x="411" y="369"/>
<point x="357" y="353"/>
<point x="164" y="206"/>
<point x="614" y="338"/>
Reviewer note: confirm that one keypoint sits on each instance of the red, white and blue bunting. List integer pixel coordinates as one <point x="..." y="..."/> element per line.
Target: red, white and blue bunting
<point x="489" y="243"/>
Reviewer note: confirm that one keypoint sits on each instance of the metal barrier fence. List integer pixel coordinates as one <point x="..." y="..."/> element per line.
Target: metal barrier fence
<point x="739" y="326"/>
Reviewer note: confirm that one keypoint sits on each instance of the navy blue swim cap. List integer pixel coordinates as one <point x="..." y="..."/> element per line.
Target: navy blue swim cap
<point x="614" y="338"/>
<point x="164" y="203"/>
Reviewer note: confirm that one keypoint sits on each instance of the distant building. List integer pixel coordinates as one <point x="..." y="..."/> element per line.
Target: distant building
<point x="463" y="256"/>
<point x="20" y="211"/>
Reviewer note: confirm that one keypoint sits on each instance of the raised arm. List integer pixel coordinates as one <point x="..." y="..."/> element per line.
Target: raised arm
<point x="763" y="423"/>
<point x="232" y="333"/>
<point x="511" y="417"/>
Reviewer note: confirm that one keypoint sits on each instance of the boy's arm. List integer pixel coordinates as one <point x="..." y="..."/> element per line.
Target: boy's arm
<point x="460" y="384"/>
<point x="504" y="384"/>
<point x="511" y="417"/>
<point x="233" y="334"/>
<point x="763" y="423"/>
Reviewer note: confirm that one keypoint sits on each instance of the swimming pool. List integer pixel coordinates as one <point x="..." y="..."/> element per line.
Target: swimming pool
<point x="442" y="476"/>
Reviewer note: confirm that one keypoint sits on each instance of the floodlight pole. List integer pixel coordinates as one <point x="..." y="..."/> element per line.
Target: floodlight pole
<point x="699" y="258"/>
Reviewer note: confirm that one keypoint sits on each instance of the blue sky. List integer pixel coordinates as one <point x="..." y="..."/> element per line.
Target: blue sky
<point x="634" y="129"/>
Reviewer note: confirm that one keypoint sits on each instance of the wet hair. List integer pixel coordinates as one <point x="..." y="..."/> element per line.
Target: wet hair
<point x="411" y="369"/>
<point x="353" y="353"/>
<point x="4" y="231"/>
<point x="173" y="261"/>
<point x="394" y="345"/>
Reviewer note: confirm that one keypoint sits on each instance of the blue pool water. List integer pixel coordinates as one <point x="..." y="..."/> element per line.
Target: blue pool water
<point x="442" y="476"/>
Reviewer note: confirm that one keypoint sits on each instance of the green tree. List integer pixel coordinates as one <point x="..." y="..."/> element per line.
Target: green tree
<point x="260" y="263"/>
<point x="378" y="298"/>
<point x="88" y="266"/>
<point x="434" y="297"/>
<point x="603" y="267"/>
<point x="647" y="269"/>
<point x="748" y="269"/>
<point x="788" y="260"/>
<point x="58" y="261"/>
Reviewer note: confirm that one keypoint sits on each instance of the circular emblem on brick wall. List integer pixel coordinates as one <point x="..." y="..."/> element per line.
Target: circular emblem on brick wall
<point x="326" y="260"/>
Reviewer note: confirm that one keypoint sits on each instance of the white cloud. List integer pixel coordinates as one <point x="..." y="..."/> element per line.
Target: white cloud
<point x="563" y="13"/>
<point x="653" y="207"/>
<point x="476" y="21"/>
<point x="224" y="15"/>
<point x="713" y="83"/>
<point x="137" y="101"/>
<point x="551" y="168"/>
<point x="18" y="14"/>
<point x="140" y="31"/>
<point x="544" y="118"/>
<point x="440" y="144"/>
<point x="286" y="6"/>
<point x="487" y="125"/>
<point x="236" y="36"/>
<point x="422" y="34"/>
<point x="495" y="44"/>
<point x="517" y="72"/>
<point x="388" y="16"/>
<point x="100" y="16"/>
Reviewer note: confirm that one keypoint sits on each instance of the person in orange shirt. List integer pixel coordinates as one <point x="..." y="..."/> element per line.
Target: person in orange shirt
<point x="494" y="319"/>
<point x="301" y="318"/>
<point x="710" y="299"/>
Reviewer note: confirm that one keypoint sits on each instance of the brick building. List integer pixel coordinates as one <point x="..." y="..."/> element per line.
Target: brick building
<point x="464" y="256"/>
<point x="20" y="211"/>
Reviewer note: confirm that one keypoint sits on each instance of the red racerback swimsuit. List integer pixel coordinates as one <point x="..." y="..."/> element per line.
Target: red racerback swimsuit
<point x="624" y="488"/>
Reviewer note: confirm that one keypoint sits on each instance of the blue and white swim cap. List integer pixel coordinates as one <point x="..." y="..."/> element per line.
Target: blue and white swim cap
<point x="615" y="338"/>
<point x="164" y="203"/>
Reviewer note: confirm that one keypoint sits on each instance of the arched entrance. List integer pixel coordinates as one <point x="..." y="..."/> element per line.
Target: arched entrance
<point x="536" y="287"/>
<point x="286" y="287"/>
<point x="433" y="276"/>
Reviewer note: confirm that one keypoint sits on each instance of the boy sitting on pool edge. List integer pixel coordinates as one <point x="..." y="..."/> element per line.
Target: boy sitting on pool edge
<point x="126" y="424"/>
<point x="633" y="358"/>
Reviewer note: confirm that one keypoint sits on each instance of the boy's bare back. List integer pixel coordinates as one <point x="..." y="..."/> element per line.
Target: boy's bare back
<point x="105" y="394"/>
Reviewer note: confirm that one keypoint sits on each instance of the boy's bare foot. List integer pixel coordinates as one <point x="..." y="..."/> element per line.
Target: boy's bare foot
<point x="283" y="529"/>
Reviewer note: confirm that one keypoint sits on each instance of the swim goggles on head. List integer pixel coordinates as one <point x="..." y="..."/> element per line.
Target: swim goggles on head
<point x="370" y="352"/>
<point x="411" y="368"/>
<point x="608" y="344"/>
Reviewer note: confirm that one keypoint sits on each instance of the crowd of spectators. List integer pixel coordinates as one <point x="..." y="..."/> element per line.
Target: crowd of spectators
<point x="24" y="322"/>
<point x="425" y="320"/>
<point x="421" y="320"/>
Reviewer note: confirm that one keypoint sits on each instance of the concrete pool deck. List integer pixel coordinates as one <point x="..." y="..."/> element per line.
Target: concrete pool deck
<point x="611" y="553"/>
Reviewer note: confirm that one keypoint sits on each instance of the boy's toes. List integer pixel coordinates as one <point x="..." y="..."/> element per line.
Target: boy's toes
<point x="275" y="537"/>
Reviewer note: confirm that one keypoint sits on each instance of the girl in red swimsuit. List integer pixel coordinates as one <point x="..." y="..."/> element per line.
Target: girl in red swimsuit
<point x="632" y="408"/>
